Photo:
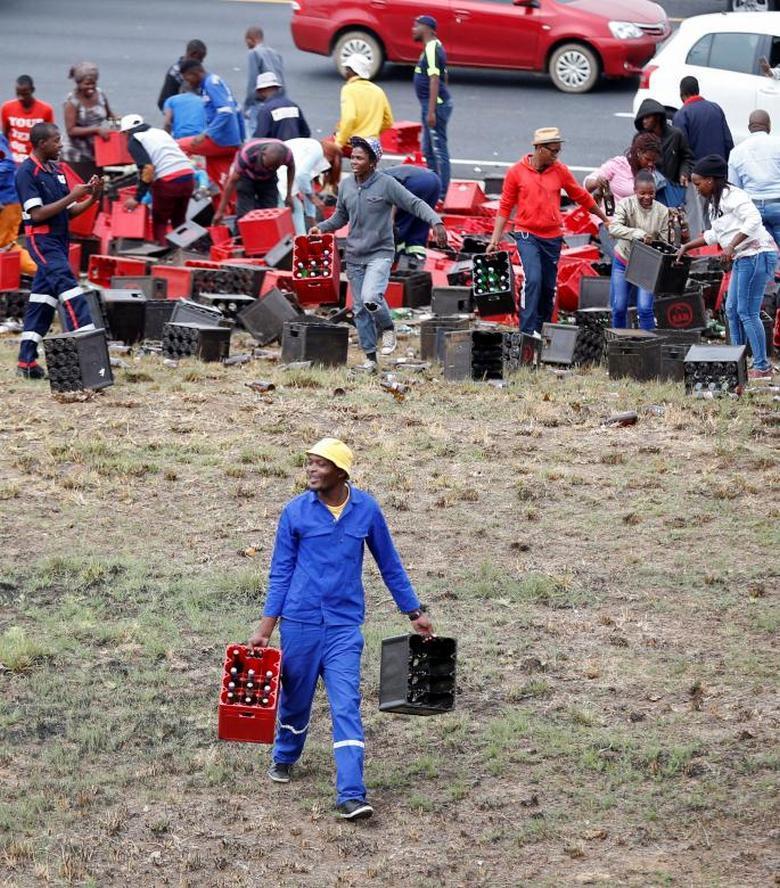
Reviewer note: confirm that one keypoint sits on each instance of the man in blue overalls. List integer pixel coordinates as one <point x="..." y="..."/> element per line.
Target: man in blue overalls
<point x="315" y="587"/>
<point x="47" y="205"/>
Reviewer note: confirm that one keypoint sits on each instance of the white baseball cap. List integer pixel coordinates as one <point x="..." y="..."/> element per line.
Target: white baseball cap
<point x="359" y="64"/>
<point x="130" y="121"/>
<point x="266" y="79"/>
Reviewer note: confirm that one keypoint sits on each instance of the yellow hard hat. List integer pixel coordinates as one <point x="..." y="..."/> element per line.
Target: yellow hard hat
<point x="334" y="450"/>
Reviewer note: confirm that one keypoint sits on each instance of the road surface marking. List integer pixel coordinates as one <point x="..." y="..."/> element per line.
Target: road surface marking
<point x="488" y="163"/>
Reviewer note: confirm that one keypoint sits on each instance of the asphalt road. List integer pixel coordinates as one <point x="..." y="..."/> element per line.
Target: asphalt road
<point x="134" y="41"/>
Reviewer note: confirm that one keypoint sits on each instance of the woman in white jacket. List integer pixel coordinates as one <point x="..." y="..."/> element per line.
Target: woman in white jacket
<point x="736" y="226"/>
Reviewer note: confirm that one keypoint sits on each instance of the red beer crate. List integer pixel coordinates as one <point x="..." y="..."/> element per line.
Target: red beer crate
<point x="10" y="269"/>
<point x="403" y="137"/>
<point x="219" y="234"/>
<point x="102" y="268"/>
<point x="83" y="225"/>
<point x="263" y="229"/>
<point x="129" y="223"/>
<point x="74" y="258"/>
<point x="578" y="221"/>
<point x="228" y="249"/>
<point x="315" y="269"/>
<point x="112" y="151"/>
<point x="282" y="280"/>
<point x="253" y="722"/>
<point x="179" y="279"/>
<point x="463" y="197"/>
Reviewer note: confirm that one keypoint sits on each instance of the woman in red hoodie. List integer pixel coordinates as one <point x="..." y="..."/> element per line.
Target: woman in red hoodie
<point x="534" y="186"/>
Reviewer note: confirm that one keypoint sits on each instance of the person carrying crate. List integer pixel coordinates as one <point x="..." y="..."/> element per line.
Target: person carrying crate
<point x="315" y="588"/>
<point x="47" y="206"/>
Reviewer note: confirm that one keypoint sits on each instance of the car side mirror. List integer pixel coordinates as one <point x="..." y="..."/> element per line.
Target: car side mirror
<point x="529" y="4"/>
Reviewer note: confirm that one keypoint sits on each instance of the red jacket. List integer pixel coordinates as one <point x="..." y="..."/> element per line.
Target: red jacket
<point x="538" y="197"/>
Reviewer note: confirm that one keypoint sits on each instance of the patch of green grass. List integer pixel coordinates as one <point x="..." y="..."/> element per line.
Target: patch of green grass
<point x="19" y="651"/>
<point x="491" y="581"/>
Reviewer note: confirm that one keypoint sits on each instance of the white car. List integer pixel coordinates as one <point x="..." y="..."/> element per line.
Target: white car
<point x="722" y="52"/>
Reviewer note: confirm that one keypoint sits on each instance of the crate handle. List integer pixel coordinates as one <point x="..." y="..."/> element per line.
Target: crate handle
<point x="246" y="714"/>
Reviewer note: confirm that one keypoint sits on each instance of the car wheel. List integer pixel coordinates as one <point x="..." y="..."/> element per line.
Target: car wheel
<point x="574" y="68"/>
<point x="752" y="5"/>
<point x="362" y="43"/>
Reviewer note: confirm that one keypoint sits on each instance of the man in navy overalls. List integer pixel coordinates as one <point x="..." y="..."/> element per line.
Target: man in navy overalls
<point x="47" y="205"/>
<point x="315" y="587"/>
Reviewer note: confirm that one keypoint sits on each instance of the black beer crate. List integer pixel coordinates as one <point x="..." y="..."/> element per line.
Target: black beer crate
<point x="13" y="304"/>
<point x="636" y="356"/>
<point x="432" y="332"/>
<point x="125" y="313"/>
<point x="151" y="287"/>
<point x="190" y="236"/>
<point x="417" y="287"/>
<point x="680" y="312"/>
<point x="493" y="284"/>
<point x="460" y="274"/>
<point x="185" y="311"/>
<point x="521" y="350"/>
<point x="195" y="340"/>
<point x="78" y="360"/>
<point x="417" y="675"/>
<point x="654" y="267"/>
<point x="594" y="292"/>
<point x="281" y="254"/>
<point x="478" y="354"/>
<point x="229" y="304"/>
<point x="672" y="361"/>
<point x="451" y="301"/>
<point x="719" y="369"/>
<point x="157" y="315"/>
<point x="244" y="279"/>
<point x="264" y="318"/>
<point x="590" y="344"/>
<point x="319" y="343"/>
<point x="559" y="343"/>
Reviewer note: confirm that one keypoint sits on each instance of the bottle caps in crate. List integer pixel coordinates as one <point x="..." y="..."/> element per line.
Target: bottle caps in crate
<point x="249" y="694"/>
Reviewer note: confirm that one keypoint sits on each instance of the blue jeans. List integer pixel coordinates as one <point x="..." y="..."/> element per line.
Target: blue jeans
<point x="434" y="143"/>
<point x="539" y="257"/>
<point x="770" y="216"/>
<point x="333" y="652"/>
<point x="369" y="283"/>
<point x="621" y="293"/>
<point x="749" y="276"/>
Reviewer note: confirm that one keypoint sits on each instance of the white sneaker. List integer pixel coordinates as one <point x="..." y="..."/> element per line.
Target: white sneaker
<point x="368" y="366"/>
<point x="389" y="342"/>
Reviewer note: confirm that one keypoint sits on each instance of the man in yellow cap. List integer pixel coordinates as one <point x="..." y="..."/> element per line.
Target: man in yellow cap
<point x="315" y="587"/>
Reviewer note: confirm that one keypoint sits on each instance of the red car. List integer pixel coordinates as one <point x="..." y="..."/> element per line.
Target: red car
<point x="573" y="40"/>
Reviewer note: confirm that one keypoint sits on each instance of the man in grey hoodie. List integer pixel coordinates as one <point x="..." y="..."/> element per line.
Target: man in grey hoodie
<point x="367" y="201"/>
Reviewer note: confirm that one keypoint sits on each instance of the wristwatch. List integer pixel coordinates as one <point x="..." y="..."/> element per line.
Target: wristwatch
<point x="417" y="612"/>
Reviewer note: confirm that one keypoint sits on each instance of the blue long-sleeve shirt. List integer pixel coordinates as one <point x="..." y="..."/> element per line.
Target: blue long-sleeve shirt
<point x="705" y="127"/>
<point x="317" y="564"/>
<point x="7" y="174"/>
<point x="224" y="123"/>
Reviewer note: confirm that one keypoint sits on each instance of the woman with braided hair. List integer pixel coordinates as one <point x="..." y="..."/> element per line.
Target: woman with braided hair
<point x="616" y="176"/>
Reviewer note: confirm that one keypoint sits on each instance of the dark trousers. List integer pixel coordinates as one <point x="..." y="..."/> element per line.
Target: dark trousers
<point x="170" y="199"/>
<point x="254" y="194"/>
<point x="53" y="282"/>
<point x="412" y="233"/>
<point x="539" y="256"/>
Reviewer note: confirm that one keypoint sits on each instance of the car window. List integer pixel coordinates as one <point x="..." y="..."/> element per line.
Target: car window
<point x="774" y="55"/>
<point x="699" y="53"/>
<point x="734" y="52"/>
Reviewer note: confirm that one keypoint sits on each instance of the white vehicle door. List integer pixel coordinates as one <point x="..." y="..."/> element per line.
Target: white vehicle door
<point x="768" y="88"/>
<point x="726" y="66"/>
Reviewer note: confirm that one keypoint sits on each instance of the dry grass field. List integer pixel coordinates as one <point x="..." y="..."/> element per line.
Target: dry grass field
<point x="614" y="593"/>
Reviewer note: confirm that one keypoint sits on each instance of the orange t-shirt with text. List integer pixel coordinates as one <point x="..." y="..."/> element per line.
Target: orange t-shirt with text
<point x="17" y="121"/>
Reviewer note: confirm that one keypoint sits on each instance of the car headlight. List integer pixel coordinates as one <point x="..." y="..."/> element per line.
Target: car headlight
<point x="625" y="30"/>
